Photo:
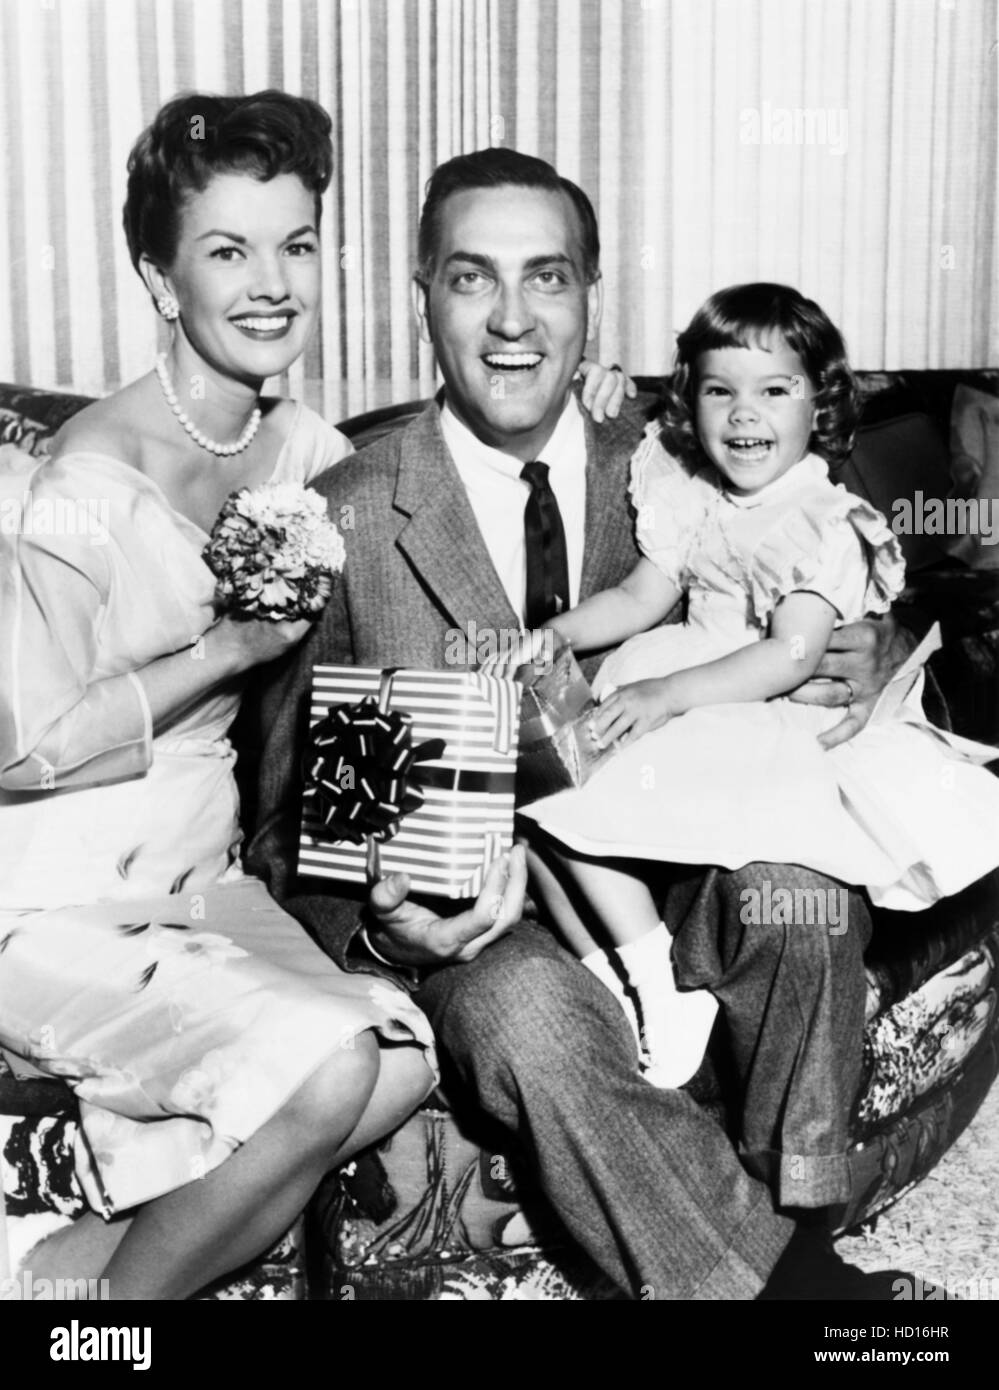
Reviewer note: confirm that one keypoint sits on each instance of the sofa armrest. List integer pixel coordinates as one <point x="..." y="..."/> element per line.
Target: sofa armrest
<point x="908" y="947"/>
<point x="963" y="601"/>
<point x="965" y="671"/>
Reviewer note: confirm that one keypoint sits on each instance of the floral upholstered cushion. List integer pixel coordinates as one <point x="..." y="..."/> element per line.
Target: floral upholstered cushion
<point x="430" y="1215"/>
<point x="41" y="1194"/>
<point x="29" y="435"/>
<point x="29" y="417"/>
<point x="922" y="1042"/>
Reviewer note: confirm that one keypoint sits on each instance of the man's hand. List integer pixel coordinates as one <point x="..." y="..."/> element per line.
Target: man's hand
<point x="409" y="935"/>
<point x="605" y="389"/>
<point x="859" y="662"/>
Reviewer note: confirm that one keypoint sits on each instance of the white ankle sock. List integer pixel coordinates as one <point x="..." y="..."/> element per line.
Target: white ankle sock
<point x="644" y="958"/>
<point x="675" y="1026"/>
<point x="598" y="963"/>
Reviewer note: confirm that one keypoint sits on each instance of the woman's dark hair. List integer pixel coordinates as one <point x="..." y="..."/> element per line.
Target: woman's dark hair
<point x="197" y="136"/>
<point x="499" y="168"/>
<point x="746" y="316"/>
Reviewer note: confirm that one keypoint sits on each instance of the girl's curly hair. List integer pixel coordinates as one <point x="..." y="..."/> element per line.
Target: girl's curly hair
<point x="747" y="316"/>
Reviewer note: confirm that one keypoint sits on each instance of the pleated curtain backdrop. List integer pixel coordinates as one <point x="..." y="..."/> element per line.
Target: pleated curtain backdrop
<point x="846" y="146"/>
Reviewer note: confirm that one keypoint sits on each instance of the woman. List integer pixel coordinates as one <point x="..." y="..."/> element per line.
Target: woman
<point x="205" y="1036"/>
<point x="222" y="1063"/>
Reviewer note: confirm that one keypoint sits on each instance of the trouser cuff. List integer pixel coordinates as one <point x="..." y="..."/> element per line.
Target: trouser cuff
<point x="801" y="1180"/>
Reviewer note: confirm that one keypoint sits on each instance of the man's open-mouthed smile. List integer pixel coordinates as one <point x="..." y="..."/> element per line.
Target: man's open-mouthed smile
<point x="508" y="310"/>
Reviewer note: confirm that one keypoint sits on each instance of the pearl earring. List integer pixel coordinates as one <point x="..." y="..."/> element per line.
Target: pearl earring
<point x="168" y="307"/>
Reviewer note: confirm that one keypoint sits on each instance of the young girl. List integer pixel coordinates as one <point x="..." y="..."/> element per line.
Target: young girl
<point x="736" y="511"/>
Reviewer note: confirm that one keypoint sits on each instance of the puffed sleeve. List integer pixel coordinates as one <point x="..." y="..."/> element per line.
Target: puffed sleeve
<point x="670" y="503"/>
<point x="61" y="723"/>
<point x="837" y="546"/>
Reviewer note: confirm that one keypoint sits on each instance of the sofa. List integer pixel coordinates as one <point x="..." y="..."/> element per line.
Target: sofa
<point x="445" y="1209"/>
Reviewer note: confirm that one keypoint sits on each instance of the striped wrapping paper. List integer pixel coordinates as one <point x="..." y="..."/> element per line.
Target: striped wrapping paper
<point x="447" y="844"/>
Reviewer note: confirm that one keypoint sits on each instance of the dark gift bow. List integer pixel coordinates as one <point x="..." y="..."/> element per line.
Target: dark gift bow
<point x="363" y="775"/>
<point x="361" y="771"/>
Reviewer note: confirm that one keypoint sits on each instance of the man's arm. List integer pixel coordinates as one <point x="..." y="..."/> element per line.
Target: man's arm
<point x="858" y="664"/>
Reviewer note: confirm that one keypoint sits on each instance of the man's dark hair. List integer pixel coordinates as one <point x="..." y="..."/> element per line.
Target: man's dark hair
<point x="197" y="136"/>
<point x="498" y="168"/>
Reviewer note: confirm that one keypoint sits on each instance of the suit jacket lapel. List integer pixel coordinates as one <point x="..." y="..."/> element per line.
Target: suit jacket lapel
<point x="441" y="538"/>
<point x="609" y="538"/>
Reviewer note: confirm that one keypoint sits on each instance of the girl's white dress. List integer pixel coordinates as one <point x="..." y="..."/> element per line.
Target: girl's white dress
<point x="182" y="1005"/>
<point x="902" y="808"/>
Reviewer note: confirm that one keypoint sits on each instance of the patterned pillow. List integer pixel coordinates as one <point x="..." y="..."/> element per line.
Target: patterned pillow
<point x="430" y="1215"/>
<point x="28" y="435"/>
<point x="41" y="1193"/>
<point x="29" y="416"/>
<point x="974" y="449"/>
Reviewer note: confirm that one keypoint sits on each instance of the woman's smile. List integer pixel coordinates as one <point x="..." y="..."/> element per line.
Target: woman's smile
<point x="264" y="327"/>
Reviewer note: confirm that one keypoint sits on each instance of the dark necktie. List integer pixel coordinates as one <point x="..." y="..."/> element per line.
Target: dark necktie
<point x="547" y="562"/>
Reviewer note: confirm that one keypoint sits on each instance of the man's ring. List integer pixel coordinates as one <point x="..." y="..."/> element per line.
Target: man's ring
<point x="851" y="694"/>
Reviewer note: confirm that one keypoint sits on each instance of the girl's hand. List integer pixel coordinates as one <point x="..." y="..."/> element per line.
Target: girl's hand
<point x="632" y="711"/>
<point x="605" y="389"/>
<point x="534" y="647"/>
<point x="251" y="642"/>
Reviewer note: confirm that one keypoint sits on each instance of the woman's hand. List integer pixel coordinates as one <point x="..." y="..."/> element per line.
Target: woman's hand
<point x="605" y="389"/>
<point x="632" y="711"/>
<point x="228" y="648"/>
<point x="249" y="642"/>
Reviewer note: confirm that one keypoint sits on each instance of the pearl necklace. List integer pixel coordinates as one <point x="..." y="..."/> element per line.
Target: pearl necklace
<point x="201" y="439"/>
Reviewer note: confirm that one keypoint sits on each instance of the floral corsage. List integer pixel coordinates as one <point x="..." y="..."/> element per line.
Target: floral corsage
<point x="274" y="553"/>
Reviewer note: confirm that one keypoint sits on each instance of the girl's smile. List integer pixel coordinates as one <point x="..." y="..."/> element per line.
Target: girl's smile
<point x="755" y="412"/>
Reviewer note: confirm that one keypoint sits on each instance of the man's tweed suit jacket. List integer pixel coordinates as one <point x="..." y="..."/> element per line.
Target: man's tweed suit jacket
<point x="417" y="569"/>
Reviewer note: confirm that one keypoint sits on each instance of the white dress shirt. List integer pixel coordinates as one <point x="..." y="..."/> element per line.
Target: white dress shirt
<point x="498" y="496"/>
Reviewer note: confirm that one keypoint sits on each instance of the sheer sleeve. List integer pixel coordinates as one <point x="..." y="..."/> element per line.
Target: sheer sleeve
<point x="670" y="504"/>
<point x="839" y="547"/>
<point x="312" y="447"/>
<point x="62" y="724"/>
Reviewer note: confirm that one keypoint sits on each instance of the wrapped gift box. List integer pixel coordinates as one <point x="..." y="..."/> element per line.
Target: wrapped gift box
<point x="441" y="816"/>
<point x="556" y="750"/>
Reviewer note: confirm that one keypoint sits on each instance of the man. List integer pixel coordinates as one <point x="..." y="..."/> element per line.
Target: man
<point x="448" y="529"/>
